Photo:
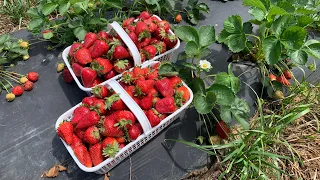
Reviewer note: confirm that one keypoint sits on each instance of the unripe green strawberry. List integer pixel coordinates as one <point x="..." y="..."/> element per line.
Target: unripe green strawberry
<point x="23" y="80"/>
<point x="10" y="97"/>
<point x="24" y="44"/>
<point x="60" y="67"/>
<point x="26" y="57"/>
<point x="278" y="95"/>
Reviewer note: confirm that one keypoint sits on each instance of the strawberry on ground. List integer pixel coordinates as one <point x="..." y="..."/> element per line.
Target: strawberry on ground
<point x="78" y="114"/>
<point x="90" y="119"/>
<point x="65" y="131"/>
<point x="100" y="91"/>
<point x="110" y="147"/>
<point x="33" y="76"/>
<point x="10" y="97"/>
<point x="28" y="86"/>
<point x="134" y="132"/>
<point x="96" y="154"/>
<point x="165" y="105"/>
<point x="67" y="77"/>
<point x="222" y="129"/>
<point x="83" y="155"/>
<point x="164" y="87"/>
<point x="92" y="135"/>
<point x="17" y="90"/>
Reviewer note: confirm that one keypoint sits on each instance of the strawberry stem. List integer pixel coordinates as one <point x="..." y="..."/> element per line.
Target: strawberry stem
<point x="10" y="77"/>
<point x="12" y="73"/>
<point x="4" y="86"/>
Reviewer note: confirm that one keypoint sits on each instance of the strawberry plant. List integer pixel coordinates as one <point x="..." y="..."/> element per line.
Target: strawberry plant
<point x="281" y="41"/>
<point x="72" y="19"/>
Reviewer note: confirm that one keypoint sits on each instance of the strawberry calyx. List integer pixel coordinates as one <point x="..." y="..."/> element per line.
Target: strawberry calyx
<point x="123" y="123"/>
<point x="122" y="64"/>
<point x="138" y="92"/>
<point x="172" y="38"/>
<point x="127" y="78"/>
<point x="96" y="66"/>
<point x="159" y="48"/>
<point x="144" y="34"/>
<point x="96" y="91"/>
<point x="110" y="100"/>
<point x="111" y="150"/>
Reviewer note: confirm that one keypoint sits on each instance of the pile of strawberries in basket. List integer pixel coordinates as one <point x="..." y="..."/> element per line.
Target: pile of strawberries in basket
<point x="157" y="96"/>
<point x="150" y="35"/>
<point x="100" y="127"/>
<point x="104" y="55"/>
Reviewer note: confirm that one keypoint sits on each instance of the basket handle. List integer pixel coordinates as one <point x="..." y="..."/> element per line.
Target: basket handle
<point x="132" y="105"/>
<point x="127" y="40"/>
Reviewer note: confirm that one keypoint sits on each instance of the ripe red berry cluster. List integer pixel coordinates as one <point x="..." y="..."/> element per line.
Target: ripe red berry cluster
<point x="283" y="78"/>
<point x="150" y="35"/>
<point x="104" y="55"/>
<point x="157" y="96"/>
<point x="100" y="127"/>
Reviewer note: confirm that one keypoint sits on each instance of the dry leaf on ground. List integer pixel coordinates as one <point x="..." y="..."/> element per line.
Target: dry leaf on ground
<point x="54" y="171"/>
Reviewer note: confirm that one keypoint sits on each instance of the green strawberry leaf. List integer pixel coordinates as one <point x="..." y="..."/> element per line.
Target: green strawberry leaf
<point x="223" y="36"/>
<point x="33" y="13"/>
<point x="312" y="47"/>
<point x="197" y="85"/>
<point x="255" y="3"/>
<point x="302" y="10"/>
<point x="299" y="57"/>
<point x="118" y="4"/>
<point x="203" y="7"/>
<point x="194" y="16"/>
<point x="272" y="49"/>
<point x="286" y="6"/>
<point x="187" y="33"/>
<point x="35" y="24"/>
<point x="225" y="114"/>
<point x="247" y="28"/>
<point x="304" y="21"/>
<point x="228" y="80"/>
<point x="257" y="13"/>
<point x="80" y="33"/>
<point x="233" y="24"/>
<point x="274" y="11"/>
<point x="110" y="100"/>
<point x="238" y="110"/>
<point x="4" y="60"/>
<point x="281" y="23"/>
<point x="167" y="69"/>
<point x="4" y="38"/>
<point x="64" y="7"/>
<point x="49" y="8"/>
<point x="192" y="49"/>
<point x="47" y="35"/>
<point x="237" y="42"/>
<point x="293" y="37"/>
<point x="207" y="35"/>
<point x="224" y="95"/>
<point x="204" y="103"/>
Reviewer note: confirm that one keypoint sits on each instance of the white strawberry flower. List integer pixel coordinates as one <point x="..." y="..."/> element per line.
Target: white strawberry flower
<point x="205" y="65"/>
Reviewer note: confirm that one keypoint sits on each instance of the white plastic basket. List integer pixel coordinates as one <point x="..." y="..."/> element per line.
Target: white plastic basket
<point x="131" y="46"/>
<point x="148" y="131"/>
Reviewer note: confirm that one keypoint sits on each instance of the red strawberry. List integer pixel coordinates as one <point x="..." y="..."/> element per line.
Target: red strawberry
<point x="282" y="79"/>
<point x="130" y="28"/>
<point x="287" y="74"/>
<point x="76" y="141"/>
<point x="150" y="51"/>
<point x="175" y="82"/>
<point x="90" y="49"/>
<point x="90" y="119"/>
<point x="144" y="15"/>
<point x="96" y="82"/>
<point x="222" y="130"/>
<point x="79" y="134"/>
<point x="153" y="75"/>
<point x="137" y="100"/>
<point x="110" y="75"/>
<point x="165" y="105"/>
<point x="127" y="22"/>
<point x="67" y="77"/>
<point x="146" y="70"/>
<point x="115" y="103"/>
<point x="141" y="27"/>
<point x="88" y="76"/>
<point x="143" y="86"/>
<point x="89" y="101"/>
<point x="83" y="155"/>
<point x="152" y="26"/>
<point x="184" y="93"/>
<point x="33" y="76"/>
<point x="100" y="91"/>
<point x="77" y="68"/>
<point x="120" y="52"/>
<point x="28" y="86"/>
<point x="160" y="34"/>
<point x="153" y="117"/>
<point x="78" y="114"/>
<point x="110" y="147"/>
<point x="272" y="77"/>
<point x="153" y="92"/>
<point x="144" y="39"/>
<point x="96" y="154"/>
<point x="154" y="19"/>
<point x="164" y="87"/>
<point x="103" y="35"/>
<point x="133" y="37"/>
<point x="89" y="39"/>
<point x="99" y="48"/>
<point x="101" y="65"/>
<point x="92" y="135"/>
<point x="121" y="140"/>
<point x="155" y="100"/>
<point x="154" y="41"/>
<point x="171" y="41"/>
<point x="178" y="18"/>
<point x="74" y="47"/>
<point x="127" y="78"/>
<point x="125" y="119"/>
<point x="17" y="90"/>
<point x="65" y="131"/>
<point x="121" y="65"/>
<point x="156" y="66"/>
<point x="99" y="106"/>
<point x="83" y="56"/>
<point x="138" y="71"/>
<point x="165" y="25"/>
<point x="146" y="102"/>
<point x="134" y="132"/>
<point x="143" y="56"/>
<point x="109" y="129"/>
